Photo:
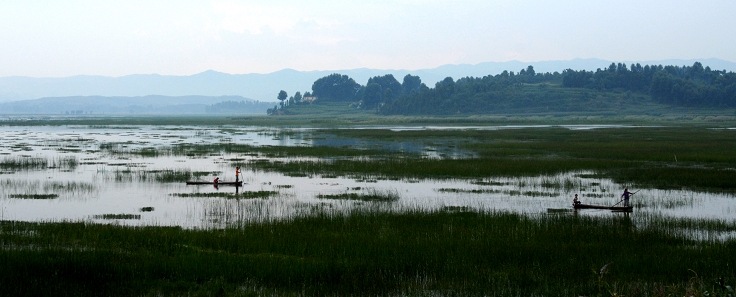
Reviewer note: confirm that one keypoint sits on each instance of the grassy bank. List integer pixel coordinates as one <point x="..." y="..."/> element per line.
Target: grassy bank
<point x="452" y="252"/>
<point x="332" y="114"/>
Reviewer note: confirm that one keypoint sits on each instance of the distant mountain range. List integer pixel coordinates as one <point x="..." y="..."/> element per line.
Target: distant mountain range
<point x="265" y="87"/>
<point x="152" y="104"/>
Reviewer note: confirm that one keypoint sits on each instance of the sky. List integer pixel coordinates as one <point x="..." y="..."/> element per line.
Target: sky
<point x="116" y="38"/>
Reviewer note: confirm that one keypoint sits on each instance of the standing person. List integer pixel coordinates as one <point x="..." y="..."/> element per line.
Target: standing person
<point x="237" y="174"/>
<point x="625" y="196"/>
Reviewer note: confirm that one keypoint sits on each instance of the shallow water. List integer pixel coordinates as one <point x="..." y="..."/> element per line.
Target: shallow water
<point x="106" y="185"/>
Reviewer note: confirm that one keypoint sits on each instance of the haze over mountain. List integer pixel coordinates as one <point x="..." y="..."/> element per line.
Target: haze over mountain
<point x="265" y="87"/>
<point x="151" y="104"/>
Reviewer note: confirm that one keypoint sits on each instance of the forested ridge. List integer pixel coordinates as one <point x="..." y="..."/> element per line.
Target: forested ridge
<point x="529" y="91"/>
<point x="694" y="86"/>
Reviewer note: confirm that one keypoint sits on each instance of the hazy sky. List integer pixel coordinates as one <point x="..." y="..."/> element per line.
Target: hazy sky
<point x="114" y="38"/>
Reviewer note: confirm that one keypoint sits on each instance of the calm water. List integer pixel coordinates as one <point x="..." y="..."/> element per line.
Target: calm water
<point x="116" y="187"/>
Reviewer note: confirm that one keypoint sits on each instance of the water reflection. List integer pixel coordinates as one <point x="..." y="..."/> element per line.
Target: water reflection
<point x="133" y="189"/>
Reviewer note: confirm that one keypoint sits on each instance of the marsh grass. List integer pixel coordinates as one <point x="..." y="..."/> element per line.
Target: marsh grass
<point x="69" y="187"/>
<point x="199" y="150"/>
<point x="28" y="189"/>
<point x="242" y="195"/>
<point x="489" y="183"/>
<point x="117" y="217"/>
<point x="36" y="163"/>
<point x="159" y="175"/>
<point x="457" y="251"/>
<point x="370" y="195"/>
<point x="565" y="184"/>
<point x="34" y="196"/>
<point x="676" y="177"/>
<point x="540" y="194"/>
<point x="559" y="210"/>
<point x="64" y="162"/>
<point x="667" y="200"/>
<point x="23" y="163"/>
<point x="642" y="156"/>
<point x="473" y="191"/>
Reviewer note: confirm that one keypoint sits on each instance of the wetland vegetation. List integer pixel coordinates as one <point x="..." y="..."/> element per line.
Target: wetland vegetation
<point x="30" y="163"/>
<point x="335" y="211"/>
<point x="660" y="157"/>
<point x="371" y="195"/>
<point x="243" y="195"/>
<point x="413" y="253"/>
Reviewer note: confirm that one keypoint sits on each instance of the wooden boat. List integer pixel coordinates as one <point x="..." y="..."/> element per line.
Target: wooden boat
<point x="614" y="208"/>
<point x="240" y="183"/>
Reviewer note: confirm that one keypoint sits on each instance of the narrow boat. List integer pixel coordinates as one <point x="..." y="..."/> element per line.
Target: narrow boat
<point x="240" y="183"/>
<point x="614" y="208"/>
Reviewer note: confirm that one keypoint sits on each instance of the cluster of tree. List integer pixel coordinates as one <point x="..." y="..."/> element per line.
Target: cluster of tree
<point x="388" y="96"/>
<point x="382" y="89"/>
<point x="687" y="86"/>
<point x="684" y="86"/>
<point x="469" y="94"/>
<point x="379" y="89"/>
<point x="337" y="87"/>
<point x="296" y="99"/>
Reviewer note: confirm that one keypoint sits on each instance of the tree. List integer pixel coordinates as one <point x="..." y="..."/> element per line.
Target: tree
<point x="282" y="96"/>
<point x="576" y="79"/>
<point x="386" y="82"/>
<point x="446" y="87"/>
<point x="388" y="95"/>
<point x="411" y="84"/>
<point x="297" y="97"/>
<point x="336" y="87"/>
<point x="373" y="95"/>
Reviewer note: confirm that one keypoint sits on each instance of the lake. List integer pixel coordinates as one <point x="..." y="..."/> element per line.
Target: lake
<point x="90" y="173"/>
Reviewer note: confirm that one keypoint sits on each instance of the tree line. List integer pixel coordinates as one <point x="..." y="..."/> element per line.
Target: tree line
<point x="693" y="86"/>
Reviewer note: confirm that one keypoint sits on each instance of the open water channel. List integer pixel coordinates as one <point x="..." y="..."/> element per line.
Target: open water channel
<point x="82" y="173"/>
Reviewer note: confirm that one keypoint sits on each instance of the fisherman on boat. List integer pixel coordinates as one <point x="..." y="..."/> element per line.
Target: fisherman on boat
<point x="625" y="197"/>
<point x="217" y="180"/>
<point x="575" y="201"/>
<point x="237" y="174"/>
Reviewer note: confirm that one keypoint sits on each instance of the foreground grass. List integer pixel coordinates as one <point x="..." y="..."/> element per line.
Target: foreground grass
<point x="446" y="253"/>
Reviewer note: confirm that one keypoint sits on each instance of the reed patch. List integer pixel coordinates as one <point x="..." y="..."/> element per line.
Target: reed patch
<point x="159" y="175"/>
<point x="242" y="195"/>
<point x="34" y="196"/>
<point x="370" y="195"/>
<point x="117" y="217"/>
